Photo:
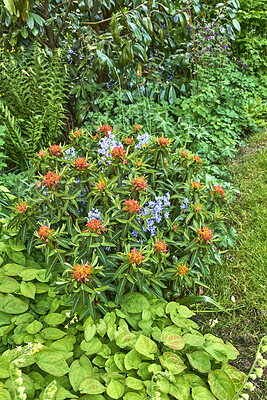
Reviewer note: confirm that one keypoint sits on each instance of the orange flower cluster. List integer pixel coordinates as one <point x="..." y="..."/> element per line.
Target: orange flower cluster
<point x="196" y="185"/>
<point x="105" y="129"/>
<point x="198" y="208"/>
<point x="21" y="207"/>
<point x="41" y="154"/>
<point x="161" y="247"/>
<point x="135" y="257"/>
<point x="128" y="141"/>
<point x="44" y="232"/>
<point x="101" y="186"/>
<point x="96" y="226"/>
<point x="118" y="152"/>
<point x="219" y="190"/>
<point x="163" y="141"/>
<point x="139" y="164"/>
<point x="76" y="134"/>
<point x="175" y="227"/>
<point x="139" y="183"/>
<point x="197" y="159"/>
<point x="55" y="150"/>
<point x="51" y="179"/>
<point x="81" y="164"/>
<point x="137" y="127"/>
<point x="132" y="206"/>
<point x="81" y="272"/>
<point x="205" y="234"/>
<point x="182" y="269"/>
<point x="184" y="153"/>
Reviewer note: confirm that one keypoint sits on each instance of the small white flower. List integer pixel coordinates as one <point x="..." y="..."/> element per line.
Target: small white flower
<point x="233" y="299"/>
<point x="19" y="348"/>
<point x="259" y="372"/>
<point x="249" y="386"/>
<point x="253" y="376"/>
<point x="68" y="314"/>
<point x="245" y="396"/>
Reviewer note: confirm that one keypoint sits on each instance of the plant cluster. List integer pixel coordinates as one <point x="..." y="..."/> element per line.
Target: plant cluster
<point x="142" y="349"/>
<point x="122" y="212"/>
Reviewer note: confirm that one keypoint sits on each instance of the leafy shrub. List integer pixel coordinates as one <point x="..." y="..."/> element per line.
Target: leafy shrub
<point x="143" y="349"/>
<point x="122" y="213"/>
<point x="32" y="87"/>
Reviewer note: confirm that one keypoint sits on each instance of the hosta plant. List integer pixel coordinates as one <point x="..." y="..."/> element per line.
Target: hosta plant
<point x="144" y="349"/>
<point x="122" y="212"/>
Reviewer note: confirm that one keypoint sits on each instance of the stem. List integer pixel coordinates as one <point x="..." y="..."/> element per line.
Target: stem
<point x="251" y="369"/>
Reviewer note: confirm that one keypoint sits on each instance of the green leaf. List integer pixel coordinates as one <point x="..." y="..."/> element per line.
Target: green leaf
<point x="4" y="395"/>
<point x="146" y="346"/>
<point x="194" y="340"/>
<point x="221" y="385"/>
<point x="132" y="396"/>
<point x="89" y="332"/>
<point x="80" y="370"/>
<point x="91" y="347"/>
<point x="172" y="362"/>
<point x="52" y="333"/>
<point x="200" y="393"/>
<point x="4" y="367"/>
<point x="173" y="341"/>
<point x="16" y="246"/>
<point x="132" y="360"/>
<point x="126" y="339"/>
<point x="236" y="24"/>
<point x="54" y="319"/>
<point x="91" y="386"/>
<point x="13" y="305"/>
<point x="237" y="376"/>
<point x="194" y="380"/>
<point x="34" y="327"/>
<point x="200" y="360"/>
<point x="8" y="285"/>
<point x="134" y="303"/>
<point x="134" y="383"/>
<point x="180" y="389"/>
<point x="115" y="389"/>
<point x="28" y="289"/>
<point x="52" y="362"/>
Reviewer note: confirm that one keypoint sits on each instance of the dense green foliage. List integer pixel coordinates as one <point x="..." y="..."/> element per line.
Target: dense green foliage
<point x="32" y="86"/>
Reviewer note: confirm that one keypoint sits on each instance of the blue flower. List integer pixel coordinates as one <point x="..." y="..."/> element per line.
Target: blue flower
<point x="70" y="153"/>
<point x="94" y="214"/>
<point x="142" y="140"/>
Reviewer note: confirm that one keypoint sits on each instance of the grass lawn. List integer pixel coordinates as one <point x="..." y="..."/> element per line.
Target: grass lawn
<point x="241" y="281"/>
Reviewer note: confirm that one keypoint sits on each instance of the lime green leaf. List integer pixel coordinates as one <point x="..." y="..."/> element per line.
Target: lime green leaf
<point x="146" y="346"/>
<point x="34" y="327"/>
<point x="115" y="389"/>
<point x="172" y="362"/>
<point x="173" y="341"/>
<point x="200" y="361"/>
<point x="28" y="289"/>
<point x="200" y="393"/>
<point x="52" y="362"/>
<point x="221" y="385"/>
<point x="91" y="347"/>
<point x="132" y="360"/>
<point x="80" y="370"/>
<point x="8" y="285"/>
<point x="91" y="386"/>
<point x="54" y="319"/>
<point x="52" y="333"/>
<point x="13" y="305"/>
<point x="134" y="383"/>
<point x="134" y="303"/>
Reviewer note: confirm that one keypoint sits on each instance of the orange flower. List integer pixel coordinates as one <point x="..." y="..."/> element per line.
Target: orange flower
<point x="41" y="154"/>
<point x="161" y="247"/>
<point x="196" y="185"/>
<point x="95" y="226"/>
<point x="139" y="183"/>
<point x="197" y="159"/>
<point x="163" y="141"/>
<point x="118" y="152"/>
<point x="135" y="257"/>
<point x="218" y="190"/>
<point x="205" y="234"/>
<point x="182" y="269"/>
<point x="105" y="129"/>
<point x="125" y="162"/>
<point x="96" y="136"/>
<point x="55" y="150"/>
<point x="44" y="232"/>
<point x="137" y="127"/>
<point x="139" y="163"/>
<point x="175" y="227"/>
<point x="81" y="272"/>
<point x="132" y="206"/>
<point x="184" y="153"/>
<point x="51" y="179"/>
<point x="198" y="208"/>
<point x="128" y="141"/>
<point x="101" y="186"/>
<point x="21" y="207"/>
<point x="76" y="134"/>
<point x="81" y="164"/>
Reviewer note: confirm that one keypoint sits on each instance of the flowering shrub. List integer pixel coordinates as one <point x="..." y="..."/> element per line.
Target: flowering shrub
<point x="139" y="213"/>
